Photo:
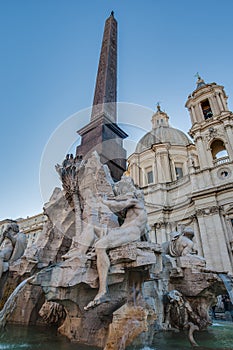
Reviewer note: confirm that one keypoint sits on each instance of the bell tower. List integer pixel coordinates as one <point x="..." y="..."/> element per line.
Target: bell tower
<point x="212" y="175"/>
<point x="212" y="124"/>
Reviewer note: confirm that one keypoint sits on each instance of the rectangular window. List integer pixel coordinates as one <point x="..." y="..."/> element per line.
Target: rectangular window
<point x="150" y="177"/>
<point x="179" y="172"/>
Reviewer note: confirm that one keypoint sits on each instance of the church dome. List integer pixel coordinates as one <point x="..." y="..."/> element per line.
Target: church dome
<point x="162" y="133"/>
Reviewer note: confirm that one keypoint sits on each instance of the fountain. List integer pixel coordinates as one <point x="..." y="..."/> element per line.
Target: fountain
<point x="228" y="282"/>
<point x="95" y="275"/>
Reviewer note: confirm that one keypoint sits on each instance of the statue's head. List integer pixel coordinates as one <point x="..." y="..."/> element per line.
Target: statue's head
<point x="174" y="295"/>
<point x="174" y="235"/>
<point x="188" y="232"/>
<point x="11" y="228"/>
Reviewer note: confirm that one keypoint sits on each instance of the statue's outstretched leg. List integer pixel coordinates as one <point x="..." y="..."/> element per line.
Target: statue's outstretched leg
<point x="97" y="301"/>
<point x="103" y="265"/>
<point x="192" y="329"/>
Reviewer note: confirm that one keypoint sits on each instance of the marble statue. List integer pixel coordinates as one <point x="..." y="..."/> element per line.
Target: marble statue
<point x="93" y="226"/>
<point x="12" y="246"/>
<point x="180" y="314"/>
<point x="97" y="238"/>
<point x="181" y="243"/>
<point x="52" y="312"/>
<point x="129" y="199"/>
<point x="69" y="172"/>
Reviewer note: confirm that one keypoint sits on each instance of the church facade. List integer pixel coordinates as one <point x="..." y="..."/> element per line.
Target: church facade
<point x="188" y="181"/>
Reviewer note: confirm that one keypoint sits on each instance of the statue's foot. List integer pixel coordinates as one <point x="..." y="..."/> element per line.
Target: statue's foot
<point x="192" y="329"/>
<point x="99" y="299"/>
<point x="70" y="254"/>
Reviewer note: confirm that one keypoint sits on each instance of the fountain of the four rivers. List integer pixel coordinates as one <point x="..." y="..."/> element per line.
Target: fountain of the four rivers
<point x="93" y="272"/>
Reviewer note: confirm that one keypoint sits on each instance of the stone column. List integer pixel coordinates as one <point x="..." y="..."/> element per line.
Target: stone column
<point x="221" y="106"/>
<point x="213" y="240"/>
<point x="228" y="234"/>
<point x="229" y="132"/>
<point x="198" y="237"/>
<point x="229" y="228"/>
<point x="198" y="113"/>
<point x="201" y="152"/>
<point x="164" y="171"/>
<point x="134" y="173"/>
<point x="193" y="115"/>
<point x="155" y="171"/>
<point x="161" y="178"/>
<point x="222" y="241"/>
<point x="213" y="105"/>
<point x="224" y="103"/>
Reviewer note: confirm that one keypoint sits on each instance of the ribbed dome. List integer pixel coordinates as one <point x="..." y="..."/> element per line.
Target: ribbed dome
<point x="163" y="134"/>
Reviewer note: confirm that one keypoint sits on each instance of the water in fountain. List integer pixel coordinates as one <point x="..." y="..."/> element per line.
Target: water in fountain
<point x="218" y="337"/>
<point x="228" y="282"/>
<point x="9" y="305"/>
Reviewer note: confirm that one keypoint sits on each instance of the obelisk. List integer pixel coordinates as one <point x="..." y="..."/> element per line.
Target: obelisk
<point x="103" y="134"/>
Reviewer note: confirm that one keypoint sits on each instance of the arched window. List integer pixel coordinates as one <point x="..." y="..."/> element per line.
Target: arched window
<point x="218" y="149"/>
<point x="206" y="109"/>
<point x="219" y="152"/>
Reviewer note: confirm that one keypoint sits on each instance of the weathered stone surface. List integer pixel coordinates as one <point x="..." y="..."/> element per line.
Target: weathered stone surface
<point x="135" y="255"/>
<point x="70" y="273"/>
<point x="128" y="323"/>
<point x="55" y="238"/>
<point x="191" y="261"/>
<point x="28" y="305"/>
<point x="194" y="283"/>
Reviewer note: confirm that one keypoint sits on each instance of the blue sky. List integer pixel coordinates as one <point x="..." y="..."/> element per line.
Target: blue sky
<point x="49" y="58"/>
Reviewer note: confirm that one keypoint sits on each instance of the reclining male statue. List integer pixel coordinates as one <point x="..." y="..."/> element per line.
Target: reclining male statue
<point x="12" y="246"/>
<point x="102" y="238"/>
<point x="181" y="243"/>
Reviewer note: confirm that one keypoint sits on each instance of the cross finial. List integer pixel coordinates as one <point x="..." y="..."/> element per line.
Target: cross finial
<point x="200" y="82"/>
<point x="158" y="106"/>
<point x="197" y="75"/>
